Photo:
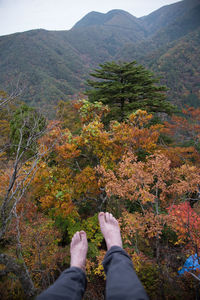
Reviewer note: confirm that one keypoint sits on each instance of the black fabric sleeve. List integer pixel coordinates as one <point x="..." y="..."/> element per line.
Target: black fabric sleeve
<point x="70" y="285"/>
<point x="122" y="282"/>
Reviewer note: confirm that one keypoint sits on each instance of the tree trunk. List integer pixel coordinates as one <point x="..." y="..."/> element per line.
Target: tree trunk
<point x="122" y="110"/>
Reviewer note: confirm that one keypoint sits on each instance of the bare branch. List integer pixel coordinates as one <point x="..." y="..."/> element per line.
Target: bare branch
<point x="5" y="100"/>
<point x="196" y="277"/>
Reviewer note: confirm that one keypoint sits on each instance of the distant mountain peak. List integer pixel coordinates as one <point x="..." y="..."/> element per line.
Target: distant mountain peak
<point x="112" y="17"/>
<point x="119" y="11"/>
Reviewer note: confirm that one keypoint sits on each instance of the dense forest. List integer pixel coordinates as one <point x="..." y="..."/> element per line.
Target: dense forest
<point x="56" y="175"/>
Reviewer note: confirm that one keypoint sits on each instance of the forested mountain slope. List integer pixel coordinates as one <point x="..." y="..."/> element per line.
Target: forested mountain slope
<point x="180" y="69"/>
<point x="46" y="64"/>
<point x="166" y="15"/>
<point x="173" y="53"/>
<point x="162" y="39"/>
<point x="54" y="65"/>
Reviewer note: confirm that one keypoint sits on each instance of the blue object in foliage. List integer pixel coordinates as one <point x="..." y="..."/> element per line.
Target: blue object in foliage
<point x="192" y="263"/>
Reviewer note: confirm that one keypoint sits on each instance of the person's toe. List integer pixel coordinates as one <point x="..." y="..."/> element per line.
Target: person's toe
<point x="82" y="235"/>
<point x="101" y="217"/>
<point x="74" y="238"/>
<point x="77" y="236"/>
<point x="107" y="217"/>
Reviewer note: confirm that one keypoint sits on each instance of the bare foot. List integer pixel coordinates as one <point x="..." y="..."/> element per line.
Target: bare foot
<point x="78" y="250"/>
<point x="110" y="230"/>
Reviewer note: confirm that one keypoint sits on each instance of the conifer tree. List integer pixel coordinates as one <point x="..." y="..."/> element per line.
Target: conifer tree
<point x="126" y="87"/>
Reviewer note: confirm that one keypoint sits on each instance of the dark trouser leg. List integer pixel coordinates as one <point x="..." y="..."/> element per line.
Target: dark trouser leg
<point x="122" y="282"/>
<point x="70" y="285"/>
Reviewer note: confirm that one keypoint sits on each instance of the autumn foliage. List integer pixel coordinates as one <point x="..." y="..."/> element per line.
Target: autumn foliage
<point x="127" y="168"/>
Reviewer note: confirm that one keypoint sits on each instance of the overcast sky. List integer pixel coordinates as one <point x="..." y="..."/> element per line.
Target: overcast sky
<point x="22" y="15"/>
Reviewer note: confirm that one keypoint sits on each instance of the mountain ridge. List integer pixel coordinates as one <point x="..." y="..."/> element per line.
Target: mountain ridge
<point x="96" y="18"/>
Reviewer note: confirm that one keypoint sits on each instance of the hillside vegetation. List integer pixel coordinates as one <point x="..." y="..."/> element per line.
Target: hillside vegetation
<point x="56" y="176"/>
<point x="54" y="65"/>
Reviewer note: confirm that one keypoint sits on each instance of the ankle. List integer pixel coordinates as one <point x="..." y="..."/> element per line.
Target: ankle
<point x="79" y="266"/>
<point x="111" y="244"/>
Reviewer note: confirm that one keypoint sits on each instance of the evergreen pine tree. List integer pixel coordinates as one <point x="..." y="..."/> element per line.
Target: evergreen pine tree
<point x="126" y="87"/>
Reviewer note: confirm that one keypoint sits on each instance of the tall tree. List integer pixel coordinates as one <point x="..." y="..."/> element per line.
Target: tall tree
<point x="126" y="87"/>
